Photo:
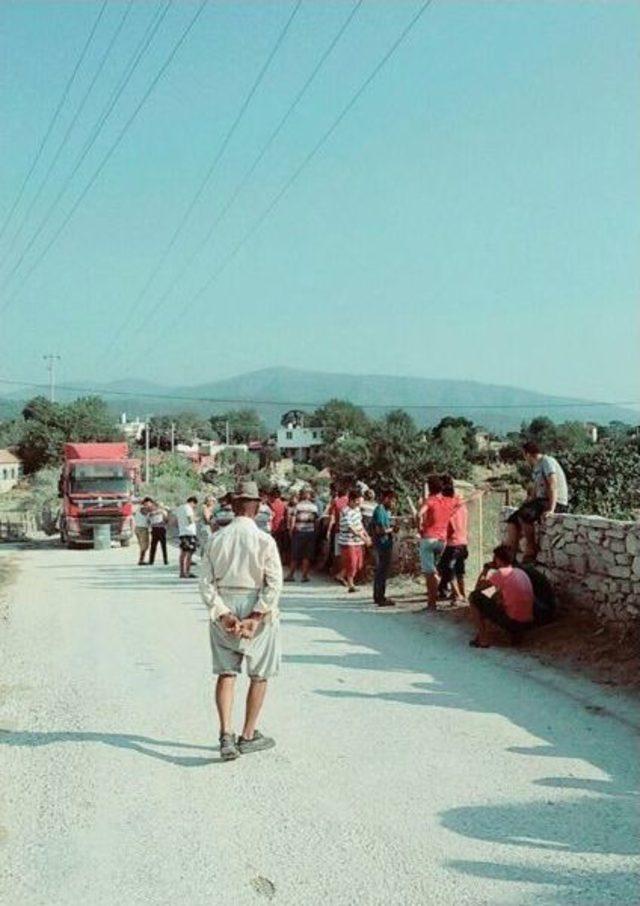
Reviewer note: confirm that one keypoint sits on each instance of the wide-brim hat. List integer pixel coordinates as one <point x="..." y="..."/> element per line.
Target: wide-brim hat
<point x="246" y="490"/>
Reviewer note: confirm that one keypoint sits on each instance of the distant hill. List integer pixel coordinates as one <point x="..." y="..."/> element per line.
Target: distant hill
<point x="497" y="407"/>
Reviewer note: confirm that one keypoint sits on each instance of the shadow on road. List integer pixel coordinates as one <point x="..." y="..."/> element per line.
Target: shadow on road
<point x="141" y="744"/>
<point x="604" y="820"/>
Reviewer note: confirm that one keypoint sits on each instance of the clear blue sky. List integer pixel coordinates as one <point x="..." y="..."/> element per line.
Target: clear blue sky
<point x="476" y="215"/>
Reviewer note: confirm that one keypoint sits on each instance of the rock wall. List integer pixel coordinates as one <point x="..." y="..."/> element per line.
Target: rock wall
<point x="594" y="564"/>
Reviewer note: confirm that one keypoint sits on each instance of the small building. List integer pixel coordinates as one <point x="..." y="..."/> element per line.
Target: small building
<point x="10" y="470"/>
<point x="133" y="430"/>
<point x="296" y="440"/>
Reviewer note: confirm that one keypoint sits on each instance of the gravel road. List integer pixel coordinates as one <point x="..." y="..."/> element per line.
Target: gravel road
<point x="409" y="769"/>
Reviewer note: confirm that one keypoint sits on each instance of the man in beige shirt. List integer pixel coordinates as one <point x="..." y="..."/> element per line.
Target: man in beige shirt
<point x="241" y="582"/>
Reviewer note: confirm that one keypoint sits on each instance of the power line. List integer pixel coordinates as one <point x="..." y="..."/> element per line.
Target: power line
<point x="127" y="73"/>
<point x="113" y="146"/>
<point x="210" y="171"/>
<point x="251" y="170"/>
<point x="53" y="120"/>
<point x="51" y="359"/>
<point x="300" y="403"/>
<point x="71" y="126"/>
<point x="305" y="163"/>
<point x="92" y="138"/>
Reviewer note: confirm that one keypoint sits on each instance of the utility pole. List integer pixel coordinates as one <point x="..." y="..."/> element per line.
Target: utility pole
<point x="146" y="449"/>
<point x="173" y="437"/>
<point x="227" y="431"/>
<point x="51" y="360"/>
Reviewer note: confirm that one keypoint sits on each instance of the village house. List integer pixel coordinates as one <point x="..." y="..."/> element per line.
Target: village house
<point x="10" y="470"/>
<point x="295" y="439"/>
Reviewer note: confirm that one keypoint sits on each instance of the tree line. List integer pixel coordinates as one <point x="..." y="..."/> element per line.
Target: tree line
<point x="388" y="451"/>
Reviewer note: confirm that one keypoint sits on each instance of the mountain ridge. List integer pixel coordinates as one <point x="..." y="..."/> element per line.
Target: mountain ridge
<point x="275" y="389"/>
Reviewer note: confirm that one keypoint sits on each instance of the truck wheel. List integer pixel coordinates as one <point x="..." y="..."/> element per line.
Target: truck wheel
<point x="125" y="542"/>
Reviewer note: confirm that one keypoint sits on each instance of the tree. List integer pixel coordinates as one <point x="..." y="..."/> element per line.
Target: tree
<point x="48" y="426"/>
<point x="604" y="479"/>
<point x="340" y="417"/>
<point x="244" y="426"/>
<point x="348" y="458"/>
<point x="555" y="438"/>
<point x="466" y="429"/>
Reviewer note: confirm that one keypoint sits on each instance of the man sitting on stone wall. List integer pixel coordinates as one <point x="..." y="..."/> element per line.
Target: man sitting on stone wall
<point x="550" y="495"/>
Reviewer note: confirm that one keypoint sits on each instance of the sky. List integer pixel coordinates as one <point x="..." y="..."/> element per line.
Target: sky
<point x="475" y="214"/>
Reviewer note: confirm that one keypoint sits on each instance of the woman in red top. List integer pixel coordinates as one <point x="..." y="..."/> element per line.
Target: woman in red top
<point x="433" y="523"/>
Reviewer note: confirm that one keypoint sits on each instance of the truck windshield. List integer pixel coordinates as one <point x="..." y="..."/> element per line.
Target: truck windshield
<point x="105" y="479"/>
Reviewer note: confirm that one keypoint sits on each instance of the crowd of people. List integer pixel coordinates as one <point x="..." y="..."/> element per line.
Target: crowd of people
<point x="350" y="533"/>
<point x="246" y="538"/>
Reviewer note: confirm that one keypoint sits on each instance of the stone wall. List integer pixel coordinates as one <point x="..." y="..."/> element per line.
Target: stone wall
<point x="594" y="564"/>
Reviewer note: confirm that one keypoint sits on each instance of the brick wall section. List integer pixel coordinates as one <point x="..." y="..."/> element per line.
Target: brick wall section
<point x="594" y="564"/>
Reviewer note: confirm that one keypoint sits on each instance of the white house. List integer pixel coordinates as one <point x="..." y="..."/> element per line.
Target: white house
<point x="10" y="470"/>
<point x="132" y="430"/>
<point x="295" y="439"/>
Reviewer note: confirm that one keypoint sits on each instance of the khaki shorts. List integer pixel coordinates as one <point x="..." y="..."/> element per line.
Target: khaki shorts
<point x="261" y="654"/>
<point x="142" y="534"/>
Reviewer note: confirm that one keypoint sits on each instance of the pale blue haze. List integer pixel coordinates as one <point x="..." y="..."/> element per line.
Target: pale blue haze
<point x="476" y="215"/>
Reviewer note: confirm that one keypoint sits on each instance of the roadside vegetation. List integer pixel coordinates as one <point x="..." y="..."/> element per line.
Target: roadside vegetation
<point x="604" y="477"/>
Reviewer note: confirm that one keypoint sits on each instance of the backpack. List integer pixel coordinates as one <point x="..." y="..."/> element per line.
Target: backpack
<point x="544" y="598"/>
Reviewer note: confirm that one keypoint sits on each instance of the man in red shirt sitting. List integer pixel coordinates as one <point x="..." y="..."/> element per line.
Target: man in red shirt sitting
<point x="504" y="596"/>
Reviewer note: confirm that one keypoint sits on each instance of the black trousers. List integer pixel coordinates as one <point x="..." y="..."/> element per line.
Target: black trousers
<point x="158" y="537"/>
<point x="383" y="565"/>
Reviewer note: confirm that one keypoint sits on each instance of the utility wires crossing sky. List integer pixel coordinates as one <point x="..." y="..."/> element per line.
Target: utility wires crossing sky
<point x="160" y="73"/>
<point x="53" y="120"/>
<point x="244" y="181"/>
<point x="253" y="229"/>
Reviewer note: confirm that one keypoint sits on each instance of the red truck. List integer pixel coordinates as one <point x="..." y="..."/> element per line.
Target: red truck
<point x="97" y="485"/>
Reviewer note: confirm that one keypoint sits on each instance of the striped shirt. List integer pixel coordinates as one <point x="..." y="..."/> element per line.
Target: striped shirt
<point x="305" y="516"/>
<point x="350" y="522"/>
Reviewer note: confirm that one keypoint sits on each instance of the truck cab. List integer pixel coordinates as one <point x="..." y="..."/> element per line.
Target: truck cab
<point x="97" y="485"/>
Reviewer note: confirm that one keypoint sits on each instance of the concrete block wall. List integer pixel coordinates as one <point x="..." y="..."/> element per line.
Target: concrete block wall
<point x="594" y="564"/>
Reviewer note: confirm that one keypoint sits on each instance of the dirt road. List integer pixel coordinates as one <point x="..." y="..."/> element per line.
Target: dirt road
<point x="409" y="768"/>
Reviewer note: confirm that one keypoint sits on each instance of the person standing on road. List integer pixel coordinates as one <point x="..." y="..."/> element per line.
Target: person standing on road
<point x="353" y="540"/>
<point x="223" y="516"/>
<point x="264" y="516"/>
<point x="206" y="515"/>
<point x="303" y="536"/>
<point x="158" y="523"/>
<point x="339" y="500"/>
<point x="279" y="521"/>
<point x="434" y="516"/>
<point x="241" y="583"/>
<point x="188" y="535"/>
<point x="141" y="526"/>
<point x="452" y="561"/>
<point x="382" y="528"/>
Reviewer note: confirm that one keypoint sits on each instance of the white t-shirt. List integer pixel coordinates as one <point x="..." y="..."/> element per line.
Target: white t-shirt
<point x="140" y="518"/>
<point x="186" y="520"/>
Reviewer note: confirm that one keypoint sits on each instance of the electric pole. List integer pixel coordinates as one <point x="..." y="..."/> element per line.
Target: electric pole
<point x="51" y="360"/>
<point x="173" y="437"/>
<point x="146" y="449"/>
